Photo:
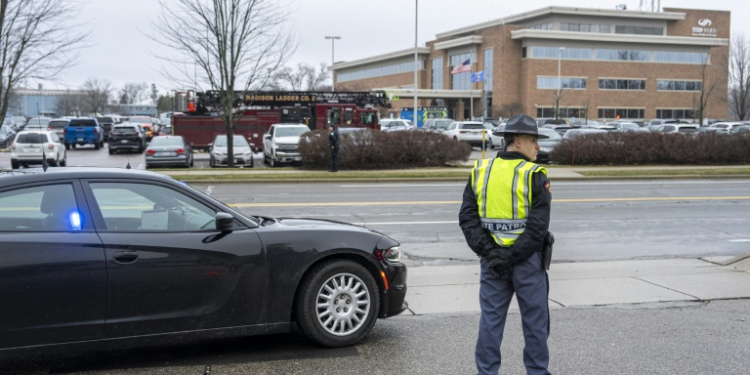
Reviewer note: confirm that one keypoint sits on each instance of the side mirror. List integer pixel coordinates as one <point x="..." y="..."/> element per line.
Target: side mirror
<point x="267" y="136"/>
<point x="224" y="222"/>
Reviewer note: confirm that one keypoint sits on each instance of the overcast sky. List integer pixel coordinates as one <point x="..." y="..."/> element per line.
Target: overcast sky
<point x="121" y="52"/>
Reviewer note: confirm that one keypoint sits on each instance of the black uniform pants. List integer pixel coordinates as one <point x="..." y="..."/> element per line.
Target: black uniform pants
<point x="334" y="159"/>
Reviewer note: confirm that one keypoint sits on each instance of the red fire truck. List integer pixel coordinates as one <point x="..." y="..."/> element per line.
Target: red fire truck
<point x="257" y="111"/>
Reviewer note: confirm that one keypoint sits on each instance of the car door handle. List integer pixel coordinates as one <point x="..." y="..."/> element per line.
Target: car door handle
<point x="125" y="256"/>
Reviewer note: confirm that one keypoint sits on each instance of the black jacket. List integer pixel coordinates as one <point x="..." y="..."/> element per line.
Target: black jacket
<point x="537" y="224"/>
<point x="333" y="139"/>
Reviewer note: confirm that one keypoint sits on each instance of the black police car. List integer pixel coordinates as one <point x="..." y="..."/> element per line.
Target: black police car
<point x="94" y="255"/>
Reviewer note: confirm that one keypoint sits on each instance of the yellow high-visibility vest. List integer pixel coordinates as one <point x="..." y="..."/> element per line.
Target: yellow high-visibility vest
<point x="503" y="190"/>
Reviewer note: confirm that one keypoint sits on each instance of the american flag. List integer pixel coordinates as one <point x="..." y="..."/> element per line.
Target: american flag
<point x="463" y="68"/>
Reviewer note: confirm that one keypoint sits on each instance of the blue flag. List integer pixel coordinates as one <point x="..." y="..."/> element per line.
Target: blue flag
<point x="477" y="77"/>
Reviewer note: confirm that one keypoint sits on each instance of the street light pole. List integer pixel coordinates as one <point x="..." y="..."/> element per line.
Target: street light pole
<point x="559" y="81"/>
<point x="416" y="60"/>
<point x="333" y="39"/>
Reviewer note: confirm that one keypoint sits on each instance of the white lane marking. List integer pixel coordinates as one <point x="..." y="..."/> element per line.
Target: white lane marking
<point x="402" y="185"/>
<point x="209" y="190"/>
<point x="741" y="240"/>
<point x="413" y="223"/>
<point x="654" y="182"/>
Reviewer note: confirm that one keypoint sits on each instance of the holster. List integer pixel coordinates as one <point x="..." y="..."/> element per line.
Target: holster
<point x="549" y="241"/>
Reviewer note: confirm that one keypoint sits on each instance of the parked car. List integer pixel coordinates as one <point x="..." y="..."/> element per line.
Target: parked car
<point x="726" y="126"/>
<point x="58" y="126"/>
<point x="547" y="145"/>
<point x="149" y="259"/>
<point x="677" y="129"/>
<point x="107" y="122"/>
<point x="582" y="133"/>
<point x="491" y="140"/>
<point x="390" y="125"/>
<point x="7" y="135"/>
<point x="281" y="143"/>
<point x="169" y="150"/>
<point x="560" y="129"/>
<point x="467" y="131"/>
<point x="18" y="122"/>
<point x="627" y="127"/>
<point x="127" y="136"/>
<point x="37" y="123"/>
<point x="144" y="122"/>
<point x="243" y="152"/>
<point x="559" y="121"/>
<point x="30" y="145"/>
<point x="83" y="131"/>
<point x="743" y="129"/>
<point x="437" y="125"/>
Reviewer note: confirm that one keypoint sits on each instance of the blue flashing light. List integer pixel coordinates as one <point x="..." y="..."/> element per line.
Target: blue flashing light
<point x="75" y="220"/>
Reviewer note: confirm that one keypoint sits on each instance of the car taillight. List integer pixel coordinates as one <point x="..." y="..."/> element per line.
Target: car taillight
<point x="50" y="128"/>
<point x="179" y="151"/>
<point x="96" y="131"/>
<point x="463" y="132"/>
<point x="51" y="146"/>
<point x="65" y="131"/>
<point x="150" y="152"/>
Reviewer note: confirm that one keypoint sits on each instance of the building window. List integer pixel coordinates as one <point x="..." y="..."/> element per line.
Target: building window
<point x="462" y="81"/>
<point x="566" y="54"/>
<point x="638" y="30"/>
<point x="488" y="61"/>
<point x="667" y="85"/>
<point x="542" y="26"/>
<point x="679" y="113"/>
<point x="622" y="55"/>
<point x="681" y="57"/>
<point x="565" y="112"/>
<point x="585" y="27"/>
<point x="622" y="84"/>
<point x="437" y="74"/>
<point x="621" y="113"/>
<point x="567" y="83"/>
<point x="404" y="67"/>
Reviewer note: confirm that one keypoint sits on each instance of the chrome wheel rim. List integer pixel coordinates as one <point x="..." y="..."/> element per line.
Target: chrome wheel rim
<point x="343" y="304"/>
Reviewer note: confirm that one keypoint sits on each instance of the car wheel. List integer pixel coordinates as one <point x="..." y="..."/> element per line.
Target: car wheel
<point x="64" y="162"/>
<point x="111" y="151"/>
<point x="96" y="145"/>
<point x="337" y="303"/>
<point x="74" y="146"/>
<point x="271" y="161"/>
<point x="67" y="146"/>
<point x="14" y="165"/>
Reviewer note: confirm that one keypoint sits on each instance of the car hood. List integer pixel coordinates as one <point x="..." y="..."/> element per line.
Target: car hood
<point x="237" y="150"/>
<point x="321" y="224"/>
<point x="287" y="140"/>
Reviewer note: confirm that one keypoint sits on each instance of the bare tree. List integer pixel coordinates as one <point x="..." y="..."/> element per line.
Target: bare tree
<point x="304" y="78"/>
<point x="739" y="76"/>
<point x="132" y="93"/>
<point x="511" y="109"/>
<point x="711" y="80"/>
<point x="96" y="95"/>
<point x="37" y="41"/>
<point x="70" y="104"/>
<point x="237" y="45"/>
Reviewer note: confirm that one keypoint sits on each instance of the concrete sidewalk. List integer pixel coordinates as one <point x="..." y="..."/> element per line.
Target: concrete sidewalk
<point x="450" y="289"/>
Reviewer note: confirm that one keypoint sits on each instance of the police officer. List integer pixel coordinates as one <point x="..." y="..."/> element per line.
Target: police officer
<point x="333" y="141"/>
<point x="505" y="216"/>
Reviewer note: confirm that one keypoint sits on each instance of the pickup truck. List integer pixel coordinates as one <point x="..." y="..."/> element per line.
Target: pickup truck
<point x="280" y="144"/>
<point x="82" y="131"/>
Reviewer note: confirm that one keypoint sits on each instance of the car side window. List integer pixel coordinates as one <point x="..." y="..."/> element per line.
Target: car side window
<point x="130" y="207"/>
<point x="50" y="208"/>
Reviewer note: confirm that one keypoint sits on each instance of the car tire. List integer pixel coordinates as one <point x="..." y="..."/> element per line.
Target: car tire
<point x="271" y="161"/>
<point x="63" y="162"/>
<point x="67" y="146"/>
<point x="111" y="151"/>
<point x="74" y="146"/>
<point x="96" y="145"/>
<point x="328" y="284"/>
<point x="14" y="165"/>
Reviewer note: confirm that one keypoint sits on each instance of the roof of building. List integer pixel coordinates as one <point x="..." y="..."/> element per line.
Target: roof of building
<point x="618" y="38"/>
<point x="552" y="10"/>
<point x="383" y="57"/>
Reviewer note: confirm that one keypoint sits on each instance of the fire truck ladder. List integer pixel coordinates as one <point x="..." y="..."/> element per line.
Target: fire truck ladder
<point x="210" y="101"/>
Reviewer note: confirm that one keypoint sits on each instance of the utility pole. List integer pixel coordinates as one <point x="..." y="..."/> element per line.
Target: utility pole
<point x="416" y="60"/>
<point x="333" y="39"/>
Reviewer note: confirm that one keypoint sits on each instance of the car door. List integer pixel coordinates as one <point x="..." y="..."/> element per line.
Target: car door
<point x="53" y="275"/>
<point x="170" y="270"/>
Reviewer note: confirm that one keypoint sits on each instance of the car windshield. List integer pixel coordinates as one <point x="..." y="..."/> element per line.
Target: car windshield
<point x="124" y="129"/>
<point x="472" y="126"/>
<point x="443" y="124"/>
<point x="38" y="121"/>
<point x="83" y="122"/>
<point x="291" y="131"/>
<point x="553" y="135"/>
<point x="58" y="124"/>
<point x="167" y="141"/>
<point x="32" y="138"/>
<point x="239" y="141"/>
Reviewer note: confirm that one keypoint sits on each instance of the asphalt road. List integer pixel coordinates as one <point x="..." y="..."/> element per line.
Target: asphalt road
<point x="664" y="339"/>
<point x="591" y="220"/>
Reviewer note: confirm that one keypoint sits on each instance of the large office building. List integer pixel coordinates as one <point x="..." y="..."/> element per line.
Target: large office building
<point x="611" y="63"/>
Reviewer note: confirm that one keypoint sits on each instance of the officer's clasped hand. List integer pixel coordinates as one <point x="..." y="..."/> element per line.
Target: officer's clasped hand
<point x="499" y="261"/>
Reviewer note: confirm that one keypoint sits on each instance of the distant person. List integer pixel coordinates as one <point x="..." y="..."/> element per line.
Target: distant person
<point x="333" y="141"/>
<point x="505" y="218"/>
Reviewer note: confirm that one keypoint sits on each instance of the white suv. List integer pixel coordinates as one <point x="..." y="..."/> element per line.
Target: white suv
<point x="392" y="125"/>
<point x="280" y="144"/>
<point x="28" y="146"/>
<point x="467" y="131"/>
